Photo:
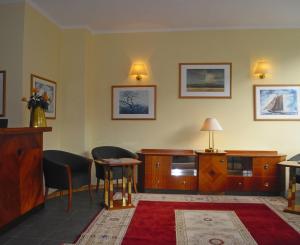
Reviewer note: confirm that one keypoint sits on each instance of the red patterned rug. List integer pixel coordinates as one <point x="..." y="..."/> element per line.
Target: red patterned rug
<point x="160" y="218"/>
<point x="154" y="222"/>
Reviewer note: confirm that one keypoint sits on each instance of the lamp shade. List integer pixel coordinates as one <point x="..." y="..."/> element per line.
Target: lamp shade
<point x="211" y="124"/>
<point x="138" y="69"/>
<point x="262" y="67"/>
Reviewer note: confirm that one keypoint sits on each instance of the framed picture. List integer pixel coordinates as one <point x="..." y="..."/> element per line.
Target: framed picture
<point x="134" y="102"/>
<point x="205" y="80"/>
<point x="45" y="85"/>
<point x="276" y="102"/>
<point x="2" y="93"/>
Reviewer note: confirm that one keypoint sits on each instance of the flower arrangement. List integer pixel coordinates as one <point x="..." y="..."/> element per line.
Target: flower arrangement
<point x="36" y="100"/>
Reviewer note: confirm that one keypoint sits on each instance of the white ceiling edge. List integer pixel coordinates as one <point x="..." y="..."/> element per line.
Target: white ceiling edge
<point x="95" y="32"/>
<point x="192" y="29"/>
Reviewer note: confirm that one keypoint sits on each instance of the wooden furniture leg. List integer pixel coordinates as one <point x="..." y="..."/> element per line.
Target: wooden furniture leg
<point x="123" y="187"/>
<point x="70" y="190"/>
<point x="111" y="188"/>
<point x="106" y="187"/>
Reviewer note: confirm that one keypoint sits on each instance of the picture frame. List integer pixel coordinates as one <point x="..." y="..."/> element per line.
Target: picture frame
<point x="205" y="80"/>
<point x="276" y="102"/>
<point x="45" y="85"/>
<point x="2" y="92"/>
<point x="134" y="102"/>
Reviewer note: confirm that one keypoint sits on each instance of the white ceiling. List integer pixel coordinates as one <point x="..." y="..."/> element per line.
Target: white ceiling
<point x="169" y="15"/>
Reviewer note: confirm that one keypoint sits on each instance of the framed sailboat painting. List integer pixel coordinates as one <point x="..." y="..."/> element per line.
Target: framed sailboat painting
<point x="276" y="102"/>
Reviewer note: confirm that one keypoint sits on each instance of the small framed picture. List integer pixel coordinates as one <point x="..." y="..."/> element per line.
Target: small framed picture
<point x="44" y="85"/>
<point x="276" y="102"/>
<point x="134" y="102"/>
<point x="205" y="80"/>
<point x="2" y="93"/>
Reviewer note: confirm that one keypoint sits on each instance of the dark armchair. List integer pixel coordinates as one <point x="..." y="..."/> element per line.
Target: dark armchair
<point x="66" y="171"/>
<point x="297" y="159"/>
<point x="103" y="152"/>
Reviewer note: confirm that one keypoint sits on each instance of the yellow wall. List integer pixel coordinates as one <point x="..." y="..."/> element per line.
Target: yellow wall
<point x="85" y="67"/>
<point x="11" y="46"/>
<point x="179" y="120"/>
<point x="41" y="56"/>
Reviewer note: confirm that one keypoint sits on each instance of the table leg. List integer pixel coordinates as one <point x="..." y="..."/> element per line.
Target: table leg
<point x="111" y="189"/>
<point x="129" y="180"/>
<point x="292" y="188"/>
<point x="106" y="187"/>
<point x="123" y="186"/>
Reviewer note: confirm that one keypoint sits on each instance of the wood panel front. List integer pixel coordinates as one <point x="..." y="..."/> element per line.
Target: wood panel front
<point x="21" y="178"/>
<point x="212" y="172"/>
<point x="240" y="183"/>
<point x="158" y="171"/>
<point x="265" y="166"/>
<point x="183" y="183"/>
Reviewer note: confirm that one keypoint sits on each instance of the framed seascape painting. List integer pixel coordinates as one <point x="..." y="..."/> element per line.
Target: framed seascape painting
<point x="134" y="102"/>
<point x="2" y="93"/>
<point x="44" y="85"/>
<point x="276" y="102"/>
<point x="205" y="80"/>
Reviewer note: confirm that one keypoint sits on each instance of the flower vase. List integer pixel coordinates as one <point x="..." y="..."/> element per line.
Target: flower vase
<point x="37" y="117"/>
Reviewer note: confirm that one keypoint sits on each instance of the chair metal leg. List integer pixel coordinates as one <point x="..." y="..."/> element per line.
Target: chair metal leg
<point x="97" y="185"/>
<point x="70" y="190"/>
<point x="90" y="192"/>
<point x="46" y="193"/>
<point x="69" y="199"/>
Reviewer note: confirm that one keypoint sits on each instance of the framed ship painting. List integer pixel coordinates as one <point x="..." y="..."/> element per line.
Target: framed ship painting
<point x="276" y="102"/>
<point x="205" y="80"/>
<point x="134" y="102"/>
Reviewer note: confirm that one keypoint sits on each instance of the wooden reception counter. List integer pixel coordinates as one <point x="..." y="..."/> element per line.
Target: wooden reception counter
<point x="21" y="175"/>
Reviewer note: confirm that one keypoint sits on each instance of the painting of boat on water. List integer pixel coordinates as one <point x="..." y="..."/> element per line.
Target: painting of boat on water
<point x="277" y="102"/>
<point x="205" y="80"/>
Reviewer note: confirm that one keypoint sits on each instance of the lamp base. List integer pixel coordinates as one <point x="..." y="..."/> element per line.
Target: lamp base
<point x="211" y="150"/>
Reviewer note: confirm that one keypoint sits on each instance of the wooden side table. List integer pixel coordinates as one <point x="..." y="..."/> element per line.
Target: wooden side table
<point x="126" y="164"/>
<point x="292" y="207"/>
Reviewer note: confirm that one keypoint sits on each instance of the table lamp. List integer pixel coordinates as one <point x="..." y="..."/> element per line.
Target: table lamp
<point x="211" y="125"/>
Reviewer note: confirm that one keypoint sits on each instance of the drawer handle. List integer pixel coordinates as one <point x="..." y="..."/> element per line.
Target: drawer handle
<point x="240" y="183"/>
<point x="222" y="160"/>
<point x="157" y="165"/>
<point x="267" y="184"/>
<point x="184" y="182"/>
<point x="266" y="166"/>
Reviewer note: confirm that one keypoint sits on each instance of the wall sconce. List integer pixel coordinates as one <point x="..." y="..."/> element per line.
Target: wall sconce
<point x="262" y="68"/>
<point x="138" y="70"/>
<point x="211" y="125"/>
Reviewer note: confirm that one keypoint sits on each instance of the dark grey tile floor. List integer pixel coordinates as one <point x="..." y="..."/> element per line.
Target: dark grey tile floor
<point x="52" y="225"/>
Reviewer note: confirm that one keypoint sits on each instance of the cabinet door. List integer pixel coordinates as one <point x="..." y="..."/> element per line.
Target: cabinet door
<point x="21" y="178"/>
<point x="212" y="173"/>
<point x="157" y="171"/>
<point x="266" y="166"/>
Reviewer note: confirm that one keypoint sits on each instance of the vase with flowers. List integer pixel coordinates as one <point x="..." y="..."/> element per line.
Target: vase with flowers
<point x="37" y="104"/>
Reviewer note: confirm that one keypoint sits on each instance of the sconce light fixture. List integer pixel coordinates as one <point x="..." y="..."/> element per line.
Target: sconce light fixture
<point x="138" y="70"/>
<point x="262" y="68"/>
<point x="211" y="125"/>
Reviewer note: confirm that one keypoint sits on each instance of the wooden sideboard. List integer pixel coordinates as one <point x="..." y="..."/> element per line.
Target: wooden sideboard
<point x="221" y="172"/>
<point x="21" y="175"/>
<point x="155" y="172"/>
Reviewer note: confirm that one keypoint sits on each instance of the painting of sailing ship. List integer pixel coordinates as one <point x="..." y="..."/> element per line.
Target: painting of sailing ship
<point x="277" y="102"/>
<point x="205" y="80"/>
